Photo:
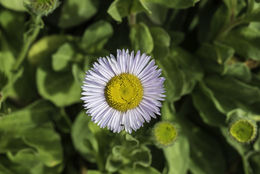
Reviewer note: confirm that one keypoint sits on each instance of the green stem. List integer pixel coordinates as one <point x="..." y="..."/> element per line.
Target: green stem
<point x="100" y="163"/>
<point x="132" y="19"/>
<point x="246" y="165"/>
<point x="228" y="28"/>
<point x="246" y="168"/>
<point x="250" y="6"/>
<point x="28" y="43"/>
<point x="256" y="118"/>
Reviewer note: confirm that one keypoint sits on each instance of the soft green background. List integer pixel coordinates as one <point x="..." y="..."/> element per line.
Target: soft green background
<point x="209" y="53"/>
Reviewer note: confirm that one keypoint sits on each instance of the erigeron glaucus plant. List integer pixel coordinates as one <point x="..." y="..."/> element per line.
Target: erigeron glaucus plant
<point x="123" y="92"/>
<point x="202" y="103"/>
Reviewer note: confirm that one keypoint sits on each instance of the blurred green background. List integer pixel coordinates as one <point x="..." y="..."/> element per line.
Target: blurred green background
<point x="209" y="53"/>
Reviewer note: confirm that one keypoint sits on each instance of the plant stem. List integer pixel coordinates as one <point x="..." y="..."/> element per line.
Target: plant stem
<point x="28" y="42"/>
<point x="132" y="19"/>
<point x="228" y="28"/>
<point x="100" y="164"/>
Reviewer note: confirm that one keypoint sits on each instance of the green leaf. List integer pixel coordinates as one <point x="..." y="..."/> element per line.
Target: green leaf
<point x="180" y="76"/>
<point x="246" y="42"/>
<point x="237" y="69"/>
<point x="62" y="58"/>
<point x="48" y="146"/>
<point x="203" y="148"/>
<point x="168" y="111"/>
<point x="45" y="47"/>
<point x="6" y="63"/>
<point x="220" y="58"/>
<point x="15" y="124"/>
<point x="94" y="172"/>
<point x="201" y="98"/>
<point x="254" y="16"/>
<point x="219" y="22"/>
<point x="26" y="156"/>
<point x="255" y="161"/>
<point x="158" y="12"/>
<point x="161" y="41"/>
<point x="83" y="138"/>
<point x="75" y="12"/>
<point x="139" y="170"/>
<point x="96" y="36"/>
<point x="119" y="9"/>
<point x="257" y="142"/>
<point x="4" y="170"/>
<point x="141" y="157"/>
<point x="13" y="4"/>
<point x="141" y="38"/>
<point x="122" y="8"/>
<point x="30" y="139"/>
<point x="6" y="66"/>
<point x="78" y="73"/>
<point x="177" y="156"/>
<point x="58" y="87"/>
<point x="178" y="4"/>
<point x="230" y="93"/>
<point x="177" y="37"/>
<point x="129" y="154"/>
<point x="10" y="22"/>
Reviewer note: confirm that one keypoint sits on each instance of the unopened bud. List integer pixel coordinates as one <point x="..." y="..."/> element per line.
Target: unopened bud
<point x="243" y="130"/>
<point x="164" y="133"/>
<point x="41" y="7"/>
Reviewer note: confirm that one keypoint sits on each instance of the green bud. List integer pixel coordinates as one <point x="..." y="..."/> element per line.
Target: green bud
<point x="41" y="7"/>
<point x="243" y="130"/>
<point x="164" y="133"/>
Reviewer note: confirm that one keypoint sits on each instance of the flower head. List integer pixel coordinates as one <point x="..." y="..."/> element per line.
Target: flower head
<point x="41" y="7"/>
<point x="243" y="130"/>
<point x="123" y="92"/>
<point x="164" y="133"/>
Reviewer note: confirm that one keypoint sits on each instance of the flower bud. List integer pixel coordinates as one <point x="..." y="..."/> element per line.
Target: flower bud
<point x="41" y="7"/>
<point x="243" y="130"/>
<point x="164" y="133"/>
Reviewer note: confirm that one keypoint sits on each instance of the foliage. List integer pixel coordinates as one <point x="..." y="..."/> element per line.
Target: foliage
<point x="209" y="53"/>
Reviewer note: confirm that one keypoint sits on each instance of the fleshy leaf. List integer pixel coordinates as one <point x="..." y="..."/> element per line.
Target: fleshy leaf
<point x="177" y="156"/>
<point x="83" y="138"/>
<point x="75" y="12"/>
<point x="178" y="4"/>
<point x="161" y="41"/>
<point x="58" y="87"/>
<point x="96" y="36"/>
<point x="181" y="76"/>
<point x="61" y="59"/>
<point x="141" y="38"/>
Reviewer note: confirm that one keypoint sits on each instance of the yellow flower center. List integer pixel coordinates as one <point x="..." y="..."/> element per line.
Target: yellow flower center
<point x="124" y="92"/>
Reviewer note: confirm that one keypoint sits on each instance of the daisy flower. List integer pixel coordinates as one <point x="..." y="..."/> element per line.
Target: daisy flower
<point x="123" y="92"/>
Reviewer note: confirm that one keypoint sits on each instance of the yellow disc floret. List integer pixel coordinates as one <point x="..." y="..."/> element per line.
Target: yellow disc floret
<point x="124" y="92"/>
